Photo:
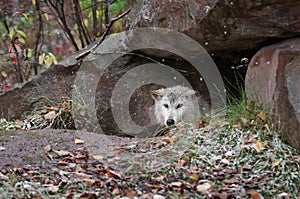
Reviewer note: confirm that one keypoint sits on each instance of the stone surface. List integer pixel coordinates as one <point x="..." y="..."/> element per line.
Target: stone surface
<point x="139" y="102"/>
<point x="49" y="86"/>
<point x="273" y="77"/>
<point x="222" y="26"/>
<point x="60" y="80"/>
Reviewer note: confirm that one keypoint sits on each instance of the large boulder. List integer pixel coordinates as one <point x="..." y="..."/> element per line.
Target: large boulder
<point x="60" y="81"/>
<point x="229" y="30"/>
<point x="273" y="77"/>
<point x="221" y="26"/>
<point x="111" y="89"/>
<point x="49" y="86"/>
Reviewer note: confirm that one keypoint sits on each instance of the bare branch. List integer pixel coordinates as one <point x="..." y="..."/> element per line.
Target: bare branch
<point x="106" y="12"/>
<point x="38" y="42"/>
<point x="85" y="53"/>
<point x="82" y="32"/>
<point x="95" y="20"/>
<point x="59" y="9"/>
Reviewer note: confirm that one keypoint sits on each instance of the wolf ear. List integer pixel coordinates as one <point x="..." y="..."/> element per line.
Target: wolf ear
<point x="191" y="93"/>
<point x="157" y="94"/>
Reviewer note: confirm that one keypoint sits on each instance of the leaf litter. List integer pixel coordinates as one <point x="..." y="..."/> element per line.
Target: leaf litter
<point x="242" y="158"/>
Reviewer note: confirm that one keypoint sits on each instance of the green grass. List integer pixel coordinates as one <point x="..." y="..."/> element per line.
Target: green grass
<point x="241" y="156"/>
<point x="247" y="114"/>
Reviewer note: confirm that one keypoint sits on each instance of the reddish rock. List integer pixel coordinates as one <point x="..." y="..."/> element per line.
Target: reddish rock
<point x="273" y="77"/>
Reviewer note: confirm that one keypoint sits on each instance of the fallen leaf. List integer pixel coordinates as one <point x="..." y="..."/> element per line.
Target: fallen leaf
<point x="222" y="195"/>
<point x="245" y="168"/>
<point x="81" y="156"/>
<point x="201" y="123"/>
<point x="88" y="195"/>
<point x="113" y="174"/>
<point x="53" y="189"/>
<point x="19" y="123"/>
<point x="62" y="153"/>
<point x="98" y="157"/>
<point x="203" y="187"/>
<point x="120" y="149"/>
<point x="116" y="191"/>
<point x="50" y="115"/>
<point x="71" y="195"/>
<point x="49" y="156"/>
<point x="276" y="163"/>
<point x="156" y="196"/>
<point x="176" y="184"/>
<point x="262" y="116"/>
<point x="130" y="194"/>
<point x="89" y="182"/>
<point x="79" y="141"/>
<point x="229" y="153"/>
<point x="62" y="163"/>
<point x="160" y="178"/>
<point x="37" y="197"/>
<point x="48" y="148"/>
<point x="258" y="146"/>
<point x="166" y="141"/>
<point x="153" y="186"/>
<point x="267" y="127"/>
<point x="167" y="134"/>
<point x="4" y="74"/>
<point x="17" y="169"/>
<point x="28" y="188"/>
<point x="146" y="196"/>
<point x="225" y="161"/>
<point x="251" y="138"/>
<point x="238" y="126"/>
<point x="194" y="177"/>
<point x="254" y="194"/>
<point x="180" y="163"/>
<point x="231" y="181"/>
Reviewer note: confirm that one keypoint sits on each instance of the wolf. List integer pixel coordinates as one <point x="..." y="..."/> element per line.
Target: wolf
<point x="178" y="103"/>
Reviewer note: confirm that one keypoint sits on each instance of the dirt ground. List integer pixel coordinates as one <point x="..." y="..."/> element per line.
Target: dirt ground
<point x="19" y="148"/>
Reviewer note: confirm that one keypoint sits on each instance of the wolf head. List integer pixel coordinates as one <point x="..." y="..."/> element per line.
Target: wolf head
<point x="175" y="104"/>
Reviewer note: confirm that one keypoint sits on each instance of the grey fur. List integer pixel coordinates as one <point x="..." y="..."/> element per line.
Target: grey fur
<point x="177" y="103"/>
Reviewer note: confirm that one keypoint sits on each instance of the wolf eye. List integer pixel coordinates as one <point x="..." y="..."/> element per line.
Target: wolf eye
<point x="166" y="105"/>
<point x="178" y="106"/>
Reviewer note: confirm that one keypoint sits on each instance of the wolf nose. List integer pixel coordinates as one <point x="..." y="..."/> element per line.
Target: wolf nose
<point x="170" y="122"/>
